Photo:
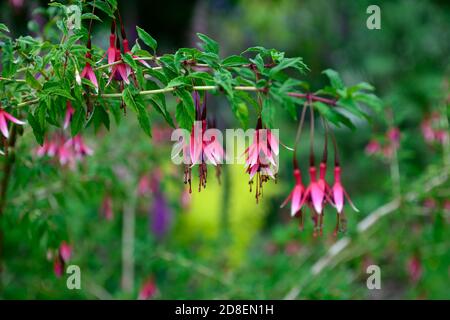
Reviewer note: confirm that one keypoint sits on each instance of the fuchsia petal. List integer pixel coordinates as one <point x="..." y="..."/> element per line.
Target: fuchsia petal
<point x="317" y="196"/>
<point x="296" y="199"/>
<point x="338" y="197"/>
<point x="253" y="171"/>
<point x="273" y="141"/>
<point x="92" y="77"/>
<point x="123" y="73"/>
<point x="3" y="125"/>
<point x="285" y="202"/>
<point x="12" y="119"/>
<point x="350" y="201"/>
<point x="111" y="55"/>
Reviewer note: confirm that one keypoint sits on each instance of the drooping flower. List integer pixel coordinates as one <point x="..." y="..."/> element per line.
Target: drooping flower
<point x="120" y="71"/>
<point x="393" y="136"/>
<point x="260" y="158"/>
<point x="65" y="251"/>
<point x="80" y="148"/>
<point x="148" y="289"/>
<point x="296" y="195"/>
<point x="111" y="51"/>
<point x="58" y="267"/>
<point x="69" y="114"/>
<point x="144" y="185"/>
<point x="204" y="145"/>
<point x="106" y="209"/>
<point x="88" y="72"/>
<point x="372" y="147"/>
<point x="4" y="118"/>
<point x="414" y="268"/>
<point x="338" y="192"/>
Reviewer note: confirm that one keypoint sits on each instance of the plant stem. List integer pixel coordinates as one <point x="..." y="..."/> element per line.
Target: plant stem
<point x="128" y="229"/>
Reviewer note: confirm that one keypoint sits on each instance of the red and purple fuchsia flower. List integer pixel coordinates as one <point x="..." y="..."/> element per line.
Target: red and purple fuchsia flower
<point x="204" y="146"/>
<point x="318" y="193"/>
<point x="260" y="158"/>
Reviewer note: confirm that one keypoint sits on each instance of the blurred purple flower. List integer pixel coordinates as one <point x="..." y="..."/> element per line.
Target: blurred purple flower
<point x="160" y="215"/>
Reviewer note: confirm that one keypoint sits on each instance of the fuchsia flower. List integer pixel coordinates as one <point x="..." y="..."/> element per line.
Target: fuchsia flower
<point x="148" y="290"/>
<point x="373" y="147"/>
<point x="80" y="148"/>
<point x="315" y="193"/>
<point x="4" y="118"/>
<point x="88" y="72"/>
<point x="65" y="251"/>
<point x="120" y="71"/>
<point x="126" y="50"/>
<point x="204" y="146"/>
<point x="338" y="192"/>
<point x="260" y="158"/>
<point x="393" y="135"/>
<point x="297" y="194"/>
<point x="414" y="268"/>
<point x="106" y="209"/>
<point x="69" y="114"/>
<point x="62" y="257"/>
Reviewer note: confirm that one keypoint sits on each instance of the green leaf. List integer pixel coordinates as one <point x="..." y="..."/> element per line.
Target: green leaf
<point x="136" y="103"/>
<point x="335" y="79"/>
<point x="234" y="61"/>
<point x="285" y="63"/>
<point x="8" y="65"/>
<point x="90" y="16"/>
<point x="370" y="100"/>
<point x="209" y="45"/>
<point x="333" y="115"/>
<point x="37" y="130"/>
<point x="31" y="81"/>
<point x="224" y="80"/>
<point x="183" y="117"/>
<point x="185" y="112"/>
<point x="268" y="112"/>
<point x="147" y="39"/>
<point x="77" y="121"/>
<point x="350" y="105"/>
<point x="103" y="6"/>
<point x="3" y="28"/>
<point x="240" y="110"/>
<point x="128" y="58"/>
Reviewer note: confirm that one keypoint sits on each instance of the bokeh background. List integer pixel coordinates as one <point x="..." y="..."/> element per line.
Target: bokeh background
<point x="135" y="231"/>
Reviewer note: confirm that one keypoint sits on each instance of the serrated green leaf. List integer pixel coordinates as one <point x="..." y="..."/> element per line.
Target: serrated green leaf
<point x="147" y="39"/>
<point x="335" y="79"/>
<point x="3" y="28"/>
<point x="128" y="58"/>
<point x="209" y="45"/>
<point x="37" y="130"/>
<point x="31" y="81"/>
<point x="234" y="61"/>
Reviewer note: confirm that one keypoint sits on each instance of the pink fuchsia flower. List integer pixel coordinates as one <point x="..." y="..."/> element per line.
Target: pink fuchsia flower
<point x="111" y="51"/>
<point x="4" y="118"/>
<point x="58" y="267"/>
<point x="148" y="290"/>
<point x="65" y="154"/>
<point x="447" y="206"/>
<point x="69" y="114"/>
<point x="427" y="130"/>
<point x="106" y="208"/>
<point x="65" y="251"/>
<point x="414" y="268"/>
<point x="372" y="147"/>
<point x="88" y="73"/>
<point x="442" y="136"/>
<point x="338" y="192"/>
<point x="120" y="71"/>
<point x="260" y="158"/>
<point x="48" y="148"/>
<point x="296" y="195"/>
<point x="393" y="135"/>
<point x="144" y="185"/>
<point x="80" y="148"/>
<point x="314" y="194"/>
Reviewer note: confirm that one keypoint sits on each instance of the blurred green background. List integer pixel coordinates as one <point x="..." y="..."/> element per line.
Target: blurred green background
<point x="220" y="244"/>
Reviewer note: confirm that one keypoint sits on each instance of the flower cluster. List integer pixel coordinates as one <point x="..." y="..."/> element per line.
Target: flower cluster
<point x="66" y="150"/>
<point x="387" y="146"/>
<point x="318" y="193"/>
<point x="431" y="130"/>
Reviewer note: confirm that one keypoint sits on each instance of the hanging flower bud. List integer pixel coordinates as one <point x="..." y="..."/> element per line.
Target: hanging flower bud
<point x="69" y="114"/>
